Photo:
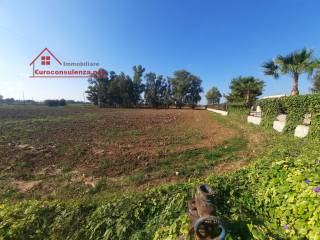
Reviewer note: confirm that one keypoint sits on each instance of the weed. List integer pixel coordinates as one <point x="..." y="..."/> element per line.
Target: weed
<point x="136" y="178"/>
<point x="105" y="163"/>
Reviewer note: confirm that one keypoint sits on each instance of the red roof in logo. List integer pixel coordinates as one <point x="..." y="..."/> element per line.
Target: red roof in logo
<point x="45" y="50"/>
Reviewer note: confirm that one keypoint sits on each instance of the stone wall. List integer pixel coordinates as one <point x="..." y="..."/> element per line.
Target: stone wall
<point x="223" y="113"/>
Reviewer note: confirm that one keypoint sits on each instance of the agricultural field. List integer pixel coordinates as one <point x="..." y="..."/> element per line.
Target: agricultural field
<point x="88" y="173"/>
<point x="75" y="151"/>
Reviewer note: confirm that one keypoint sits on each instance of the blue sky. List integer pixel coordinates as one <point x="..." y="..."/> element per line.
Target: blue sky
<point x="216" y="40"/>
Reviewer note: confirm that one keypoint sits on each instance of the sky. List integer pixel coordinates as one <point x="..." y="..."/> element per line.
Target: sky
<point x="216" y="40"/>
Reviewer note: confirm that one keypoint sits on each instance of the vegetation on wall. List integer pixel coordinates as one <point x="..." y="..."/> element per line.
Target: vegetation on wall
<point x="270" y="108"/>
<point x="238" y="108"/>
<point x="295" y="107"/>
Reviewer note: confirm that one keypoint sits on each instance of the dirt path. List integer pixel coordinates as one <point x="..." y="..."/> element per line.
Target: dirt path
<point x="255" y="142"/>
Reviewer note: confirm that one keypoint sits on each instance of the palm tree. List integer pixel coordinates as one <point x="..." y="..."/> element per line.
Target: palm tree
<point x="294" y="64"/>
<point x="245" y="89"/>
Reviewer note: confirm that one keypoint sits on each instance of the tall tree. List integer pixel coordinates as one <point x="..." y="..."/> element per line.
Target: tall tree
<point x="294" y="64"/>
<point x="98" y="87"/>
<point x="186" y="88"/>
<point x="120" y="90"/>
<point x="138" y="86"/>
<point x="245" y="89"/>
<point x="126" y="90"/>
<point x="193" y="96"/>
<point x="150" y="94"/>
<point x="167" y="93"/>
<point x="213" y="96"/>
<point x="155" y="89"/>
<point x="180" y="86"/>
<point x="114" y="91"/>
<point x="92" y="92"/>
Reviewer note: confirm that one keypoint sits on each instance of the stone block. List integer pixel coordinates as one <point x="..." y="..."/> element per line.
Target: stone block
<point x="279" y="126"/>
<point x="282" y="117"/>
<point x="259" y="109"/>
<point x="301" y="131"/>
<point x="254" y="120"/>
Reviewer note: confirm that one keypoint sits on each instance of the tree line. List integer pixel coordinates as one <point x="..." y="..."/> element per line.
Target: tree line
<point x="109" y="89"/>
<point x="246" y="89"/>
<point x="55" y="102"/>
<point x="243" y="90"/>
<point x="48" y="102"/>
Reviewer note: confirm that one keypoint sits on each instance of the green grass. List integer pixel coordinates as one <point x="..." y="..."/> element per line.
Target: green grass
<point x="105" y="163"/>
<point x="137" y="178"/>
<point x="192" y="163"/>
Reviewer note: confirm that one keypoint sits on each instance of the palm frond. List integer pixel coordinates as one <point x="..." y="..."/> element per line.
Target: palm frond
<point x="271" y="68"/>
<point x="300" y="61"/>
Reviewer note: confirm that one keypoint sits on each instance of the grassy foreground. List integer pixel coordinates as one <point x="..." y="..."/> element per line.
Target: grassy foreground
<point x="275" y="197"/>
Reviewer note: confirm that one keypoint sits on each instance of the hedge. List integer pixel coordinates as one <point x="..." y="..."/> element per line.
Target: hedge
<point x="295" y="107"/>
<point x="239" y="108"/>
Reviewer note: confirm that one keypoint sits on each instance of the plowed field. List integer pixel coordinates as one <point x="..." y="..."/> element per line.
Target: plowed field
<point x="71" y="151"/>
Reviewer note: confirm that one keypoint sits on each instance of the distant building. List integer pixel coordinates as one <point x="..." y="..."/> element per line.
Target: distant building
<point x="275" y="96"/>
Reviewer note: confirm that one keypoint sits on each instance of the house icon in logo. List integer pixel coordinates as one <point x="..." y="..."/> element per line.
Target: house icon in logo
<point x="46" y="57"/>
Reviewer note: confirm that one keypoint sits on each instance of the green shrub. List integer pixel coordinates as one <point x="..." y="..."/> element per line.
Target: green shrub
<point x="315" y="127"/>
<point x="270" y="109"/>
<point x="238" y="108"/>
<point x="278" y="191"/>
<point x="296" y="107"/>
<point x="132" y="216"/>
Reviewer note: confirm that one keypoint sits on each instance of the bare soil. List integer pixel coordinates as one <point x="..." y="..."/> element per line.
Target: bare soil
<point x="72" y="151"/>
